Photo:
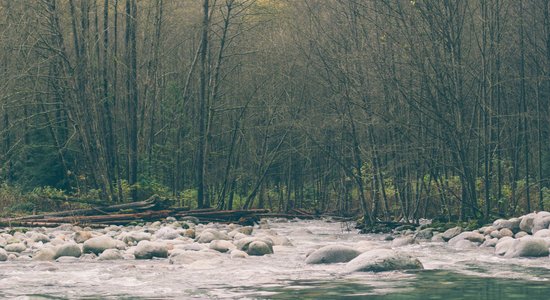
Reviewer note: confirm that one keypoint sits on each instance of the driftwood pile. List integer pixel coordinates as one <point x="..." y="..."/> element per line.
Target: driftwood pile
<point x="152" y="209"/>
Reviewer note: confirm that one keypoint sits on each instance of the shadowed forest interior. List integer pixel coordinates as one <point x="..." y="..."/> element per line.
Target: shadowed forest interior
<point x="393" y="110"/>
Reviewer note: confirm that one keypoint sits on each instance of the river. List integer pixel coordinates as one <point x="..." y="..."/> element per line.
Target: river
<point x="449" y="274"/>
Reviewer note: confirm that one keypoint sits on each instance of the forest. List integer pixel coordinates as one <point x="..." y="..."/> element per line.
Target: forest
<point x="390" y="110"/>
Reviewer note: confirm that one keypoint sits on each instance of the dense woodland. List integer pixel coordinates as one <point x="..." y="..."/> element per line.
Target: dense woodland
<point x="388" y="109"/>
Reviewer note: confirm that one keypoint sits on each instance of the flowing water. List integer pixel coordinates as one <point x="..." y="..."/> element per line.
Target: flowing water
<point x="449" y="274"/>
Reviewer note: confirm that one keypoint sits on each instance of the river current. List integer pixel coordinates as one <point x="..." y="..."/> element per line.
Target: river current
<point x="449" y="273"/>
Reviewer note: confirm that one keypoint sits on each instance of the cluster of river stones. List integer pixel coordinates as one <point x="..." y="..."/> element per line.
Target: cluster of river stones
<point x="526" y="236"/>
<point x="185" y="242"/>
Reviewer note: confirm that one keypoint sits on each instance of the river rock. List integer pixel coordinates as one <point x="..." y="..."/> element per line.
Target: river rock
<point x="332" y="254"/>
<point x="44" y="254"/>
<point x="502" y="223"/>
<point x="208" y="235"/>
<point x="490" y="242"/>
<point x="82" y="236"/>
<point x="259" y="248"/>
<point x="190" y="233"/>
<point x="245" y="230"/>
<point x="39" y="237"/>
<point x="543" y="233"/>
<point x="111" y="254"/>
<point x="381" y="260"/>
<point x="3" y="255"/>
<point x="17" y="247"/>
<point x="505" y="232"/>
<point x="221" y="245"/>
<point x="451" y="233"/>
<point x="148" y="250"/>
<point x="515" y="224"/>
<point x="279" y="240"/>
<point x="424" y="234"/>
<point x="136" y="237"/>
<point x="101" y="243"/>
<point x="64" y="227"/>
<point x="526" y="223"/>
<point x="487" y="230"/>
<point x="528" y="247"/>
<point x="473" y="237"/>
<point x="69" y="249"/>
<point x="541" y="221"/>
<point x="235" y="253"/>
<point x="242" y="244"/>
<point x="503" y="245"/>
<point x="403" y="241"/>
<point x="166" y="233"/>
<point x="520" y="234"/>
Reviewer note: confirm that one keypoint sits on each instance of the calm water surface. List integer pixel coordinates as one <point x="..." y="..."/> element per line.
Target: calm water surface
<point x="450" y="274"/>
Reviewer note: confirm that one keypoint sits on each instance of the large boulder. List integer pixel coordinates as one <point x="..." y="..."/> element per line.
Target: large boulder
<point x="221" y="245"/>
<point x="543" y="233"/>
<point x="527" y="222"/>
<point x="473" y="237"/>
<point x="381" y="260"/>
<point x="148" y="250"/>
<point x="503" y="245"/>
<point x="111" y="254"/>
<point x="520" y="234"/>
<point x="505" y="232"/>
<point x="3" y="255"/>
<point x="503" y="223"/>
<point x="68" y="249"/>
<point x="243" y="244"/>
<point x="39" y="237"/>
<point x="82" y="236"/>
<point x="332" y="254"/>
<point x="166" y="233"/>
<point x="515" y="224"/>
<point x="424" y="234"/>
<point x="528" y="247"/>
<point x="238" y="254"/>
<point x="44" y="254"/>
<point x="259" y="248"/>
<point x="490" y="242"/>
<point x="245" y="230"/>
<point x="541" y="221"/>
<point x="16" y="247"/>
<point x="208" y="235"/>
<point x="101" y="243"/>
<point x="451" y="233"/>
<point x="136" y="237"/>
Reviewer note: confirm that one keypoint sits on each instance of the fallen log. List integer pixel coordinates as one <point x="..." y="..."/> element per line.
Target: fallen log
<point x="154" y="202"/>
<point x="148" y="215"/>
<point x="286" y="216"/>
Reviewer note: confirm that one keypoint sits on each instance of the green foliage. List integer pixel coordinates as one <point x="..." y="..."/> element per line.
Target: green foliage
<point x="546" y="198"/>
<point x="189" y="197"/>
